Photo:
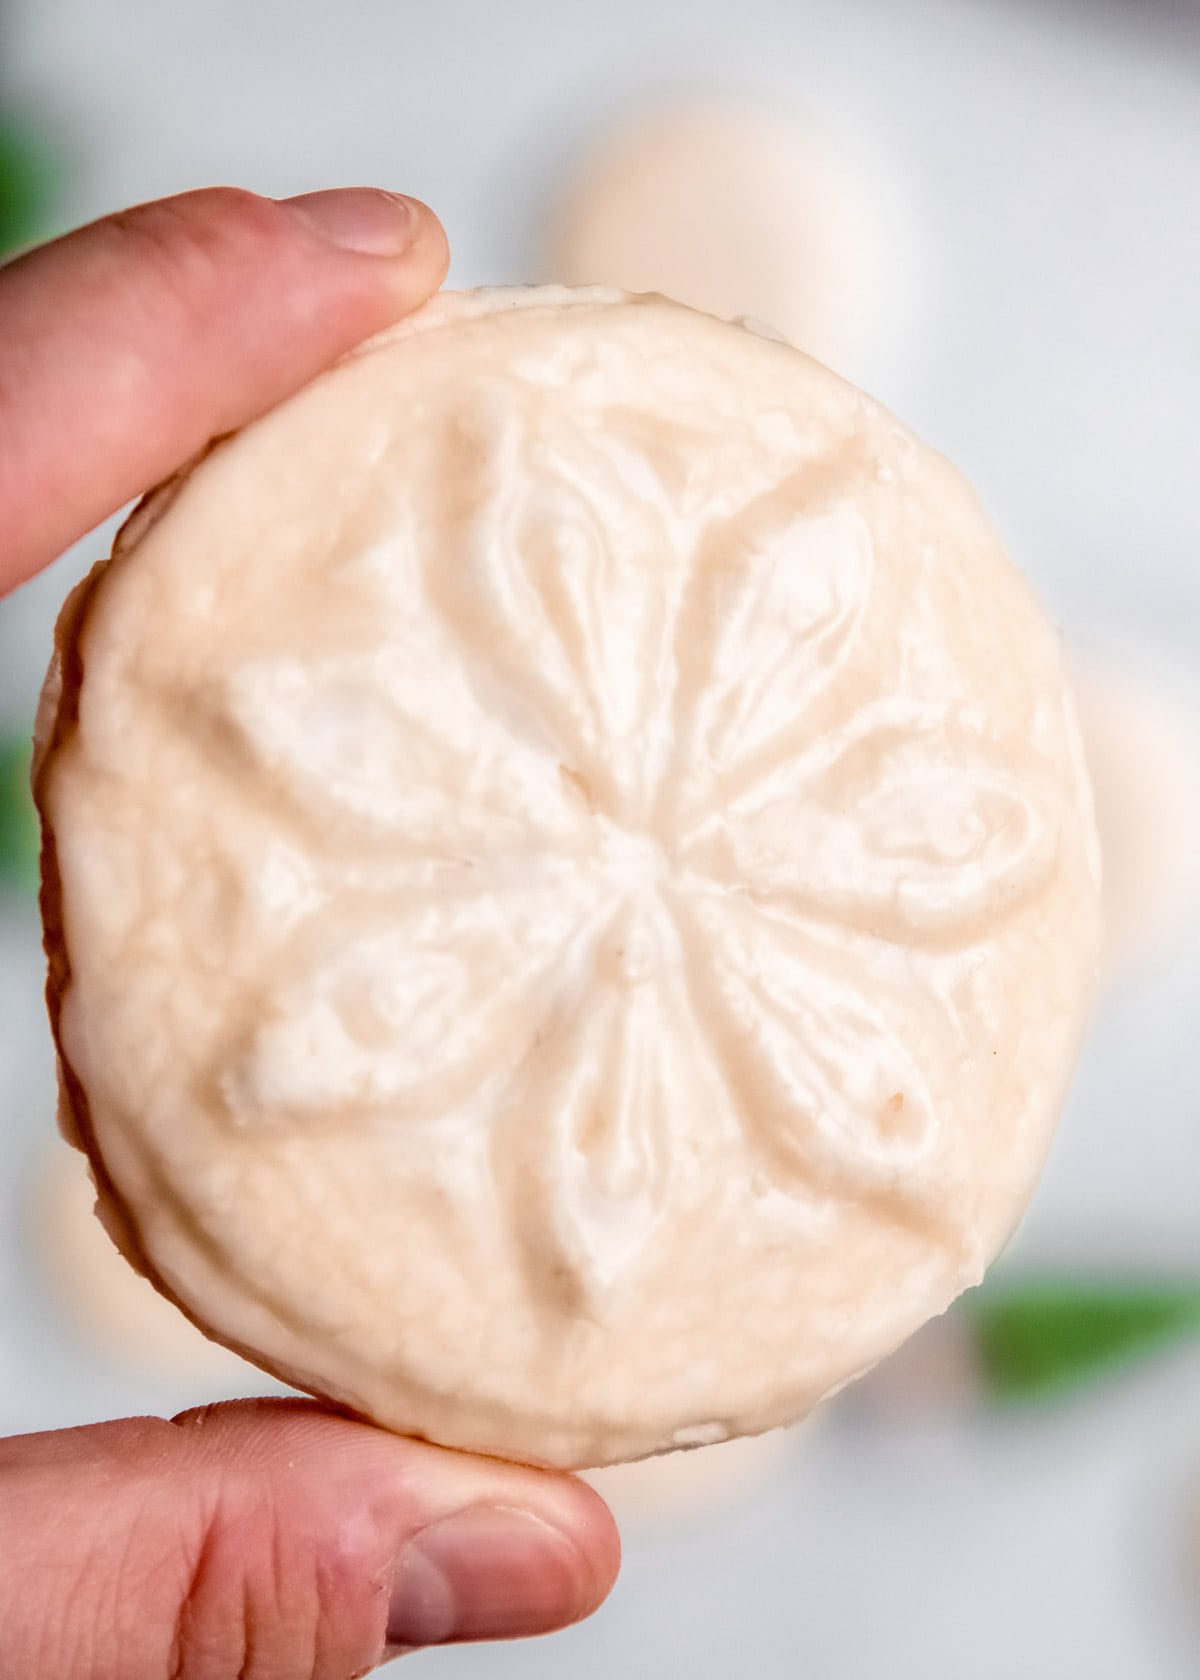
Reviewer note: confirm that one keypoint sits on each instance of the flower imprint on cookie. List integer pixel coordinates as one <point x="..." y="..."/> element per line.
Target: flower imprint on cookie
<point x="621" y="842"/>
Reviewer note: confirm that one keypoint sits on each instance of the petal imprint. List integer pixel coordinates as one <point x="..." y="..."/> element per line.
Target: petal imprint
<point x="911" y="833"/>
<point x="828" y="1094"/>
<point x="776" y="597"/>
<point x="420" y="1015"/>
<point x="599" y="1114"/>
<point x="566" y="593"/>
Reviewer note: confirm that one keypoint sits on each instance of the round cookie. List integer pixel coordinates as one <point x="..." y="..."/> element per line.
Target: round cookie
<point x="570" y="882"/>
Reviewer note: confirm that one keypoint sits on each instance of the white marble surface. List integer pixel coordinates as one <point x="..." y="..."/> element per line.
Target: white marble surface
<point x="1047" y="158"/>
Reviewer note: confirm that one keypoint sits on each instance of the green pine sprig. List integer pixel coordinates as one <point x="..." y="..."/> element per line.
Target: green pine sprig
<point x="28" y="174"/>
<point x="1044" y="1338"/>
<point x="19" y="836"/>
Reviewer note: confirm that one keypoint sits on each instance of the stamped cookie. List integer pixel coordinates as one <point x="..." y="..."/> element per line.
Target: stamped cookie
<point x="570" y="885"/>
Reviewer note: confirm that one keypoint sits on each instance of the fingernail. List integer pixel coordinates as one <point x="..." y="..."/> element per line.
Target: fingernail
<point x="359" y="218"/>
<point x="487" y="1573"/>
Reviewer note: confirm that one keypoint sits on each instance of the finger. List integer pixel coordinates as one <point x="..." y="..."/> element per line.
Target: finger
<point x="127" y="345"/>
<point x="276" y="1541"/>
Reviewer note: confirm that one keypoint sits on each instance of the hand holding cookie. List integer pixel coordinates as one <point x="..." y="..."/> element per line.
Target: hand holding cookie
<point x="569" y="882"/>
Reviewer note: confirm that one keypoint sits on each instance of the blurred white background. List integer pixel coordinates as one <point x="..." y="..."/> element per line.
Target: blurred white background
<point x="1040" y="166"/>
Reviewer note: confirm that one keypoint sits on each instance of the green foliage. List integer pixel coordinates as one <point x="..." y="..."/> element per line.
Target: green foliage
<point x="19" y="839"/>
<point x="27" y="175"/>
<point x="1040" y="1339"/>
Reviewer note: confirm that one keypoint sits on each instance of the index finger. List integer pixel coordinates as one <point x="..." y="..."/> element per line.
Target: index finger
<point x="127" y="345"/>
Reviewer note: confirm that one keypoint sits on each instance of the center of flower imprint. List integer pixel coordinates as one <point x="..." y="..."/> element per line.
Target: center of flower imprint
<point x="635" y="869"/>
<point x="634" y="862"/>
<point x="710" y="931"/>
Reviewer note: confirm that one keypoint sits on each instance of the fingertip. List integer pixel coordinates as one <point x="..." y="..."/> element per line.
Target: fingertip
<point x="506" y="1550"/>
<point x="371" y="221"/>
<point x="433" y="242"/>
<point x="599" y="1542"/>
<point x="413" y="1486"/>
<point x="427" y="261"/>
<point x="588" y="1519"/>
<point x="176" y="322"/>
<point x="489" y="1572"/>
<point x="476" y="1548"/>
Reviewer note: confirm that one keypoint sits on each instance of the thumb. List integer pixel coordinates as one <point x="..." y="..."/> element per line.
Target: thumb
<point x="276" y="1541"/>
<point x="127" y="345"/>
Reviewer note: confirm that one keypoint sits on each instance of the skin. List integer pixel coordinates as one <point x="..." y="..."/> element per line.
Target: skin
<point x="267" y="1540"/>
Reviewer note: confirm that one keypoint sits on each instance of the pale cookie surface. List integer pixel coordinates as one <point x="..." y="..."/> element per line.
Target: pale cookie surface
<point x="576" y="897"/>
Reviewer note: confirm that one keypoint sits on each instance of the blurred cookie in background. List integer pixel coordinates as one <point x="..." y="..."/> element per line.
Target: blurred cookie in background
<point x="742" y="210"/>
<point x="1142" y="743"/>
<point x="113" y="1310"/>
<point x="702" y="1485"/>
